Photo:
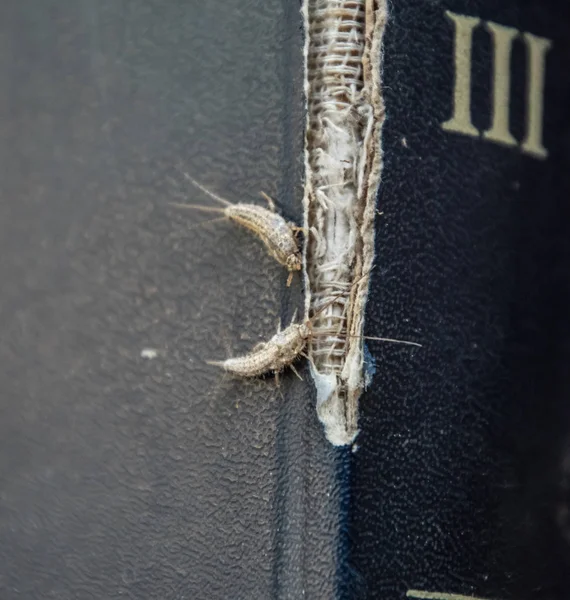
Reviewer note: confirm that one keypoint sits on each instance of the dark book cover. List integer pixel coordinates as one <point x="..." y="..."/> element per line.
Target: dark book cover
<point x="129" y="467"/>
<point x="460" y="482"/>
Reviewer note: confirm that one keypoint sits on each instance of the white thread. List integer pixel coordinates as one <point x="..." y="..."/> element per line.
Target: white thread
<point x="342" y="166"/>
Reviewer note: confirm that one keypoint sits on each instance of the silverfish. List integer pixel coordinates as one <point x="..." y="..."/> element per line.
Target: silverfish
<point x="278" y="235"/>
<point x="282" y="350"/>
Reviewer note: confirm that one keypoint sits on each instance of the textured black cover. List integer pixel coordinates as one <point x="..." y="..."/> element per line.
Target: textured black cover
<point x="123" y="476"/>
<point x="461" y="480"/>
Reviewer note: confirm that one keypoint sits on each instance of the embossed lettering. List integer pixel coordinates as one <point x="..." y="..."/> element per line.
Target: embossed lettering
<point x="460" y="122"/>
<point x="425" y="595"/>
<point x="502" y="38"/>
<point x="502" y="45"/>
<point x="537" y="48"/>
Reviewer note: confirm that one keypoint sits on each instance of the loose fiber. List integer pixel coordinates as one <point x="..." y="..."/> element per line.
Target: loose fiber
<point x="343" y="164"/>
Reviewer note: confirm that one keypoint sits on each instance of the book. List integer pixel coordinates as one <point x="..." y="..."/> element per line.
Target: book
<point x="129" y="465"/>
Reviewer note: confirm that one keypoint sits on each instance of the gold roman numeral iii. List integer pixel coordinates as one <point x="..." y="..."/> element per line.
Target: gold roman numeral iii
<point x="502" y="38"/>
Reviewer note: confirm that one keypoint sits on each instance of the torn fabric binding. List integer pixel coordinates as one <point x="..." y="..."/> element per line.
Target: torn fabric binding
<point x="343" y="162"/>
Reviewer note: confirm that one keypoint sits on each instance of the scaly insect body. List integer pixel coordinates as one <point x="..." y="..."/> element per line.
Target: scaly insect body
<point x="278" y="235"/>
<point x="272" y="229"/>
<point x="283" y="349"/>
<point x="274" y="355"/>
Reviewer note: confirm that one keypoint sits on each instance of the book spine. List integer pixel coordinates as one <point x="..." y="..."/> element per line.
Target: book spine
<point x="460" y="483"/>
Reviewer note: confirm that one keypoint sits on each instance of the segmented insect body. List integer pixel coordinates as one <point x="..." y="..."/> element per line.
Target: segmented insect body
<point x="278" y="235"/>
<point x="282" y="350"/>
<point x="275" y="355"/>
<point x="272" y="229"/>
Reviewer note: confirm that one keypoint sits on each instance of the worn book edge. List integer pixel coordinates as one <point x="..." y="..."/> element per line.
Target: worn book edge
<point x="343" y="163"/>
